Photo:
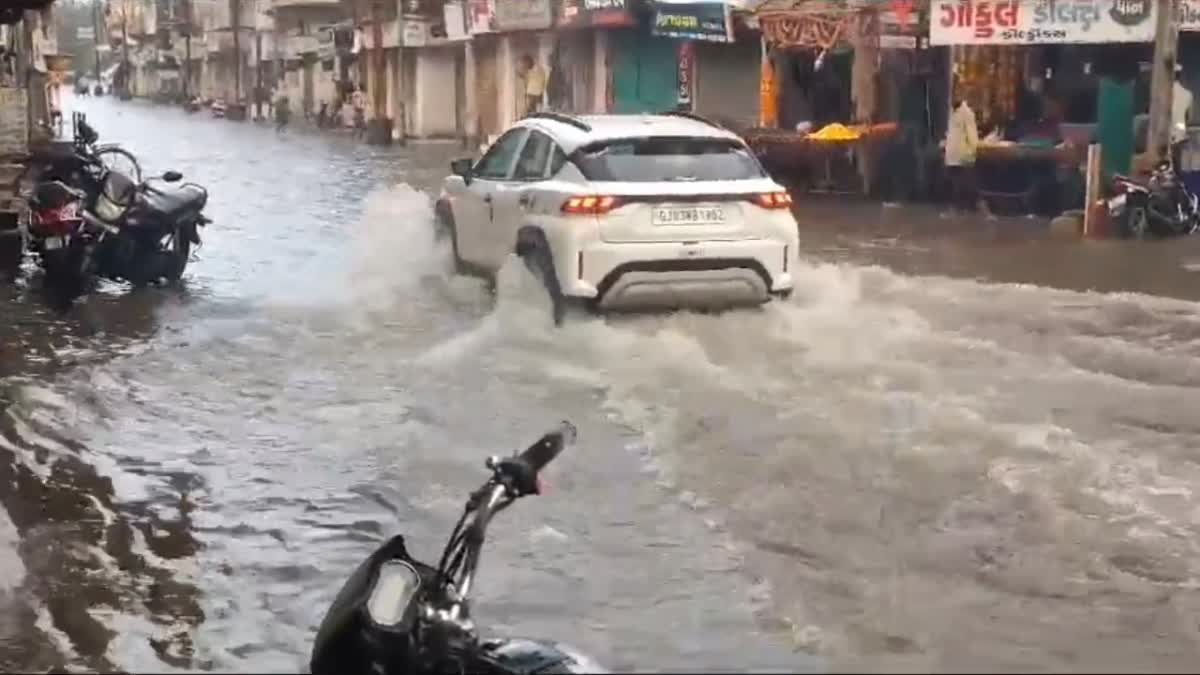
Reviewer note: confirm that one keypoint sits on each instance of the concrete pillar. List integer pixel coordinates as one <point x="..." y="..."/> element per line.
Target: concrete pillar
<point x="600" y="71"/>
<point x="471" y="104"/>
<point x="506" y="65"/>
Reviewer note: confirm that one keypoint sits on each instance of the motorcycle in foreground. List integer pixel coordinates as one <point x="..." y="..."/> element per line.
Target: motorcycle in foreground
<point x="1162" y="206"/>
<point x="58" y="238"/>
<point x="396" y="614"/>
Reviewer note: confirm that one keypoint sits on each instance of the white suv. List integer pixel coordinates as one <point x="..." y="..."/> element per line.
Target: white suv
<point x="624" y="212"/>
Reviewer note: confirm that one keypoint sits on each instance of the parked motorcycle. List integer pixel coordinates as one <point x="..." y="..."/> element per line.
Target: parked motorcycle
<point x="1163" y="206"/>
<point x="58" y="238"/>
<point x="145" y="233"/>
<point x="396" y="614"/>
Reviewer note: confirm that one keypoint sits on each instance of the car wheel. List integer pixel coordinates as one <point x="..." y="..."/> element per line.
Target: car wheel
<point x="535" y="252"/>
<point x="444" y="227"/>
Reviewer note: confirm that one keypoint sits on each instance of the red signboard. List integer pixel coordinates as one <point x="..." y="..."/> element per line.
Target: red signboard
<point x="686" y="68"/>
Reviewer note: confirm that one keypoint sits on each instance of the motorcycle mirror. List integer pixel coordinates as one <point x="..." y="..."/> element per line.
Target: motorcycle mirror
<point x="172" y="176"/>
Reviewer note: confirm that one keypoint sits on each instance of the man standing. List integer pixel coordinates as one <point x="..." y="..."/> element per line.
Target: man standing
<point x="1181" y="111"/>
<point x="962" y="141"/>
<point x="535" y="83"/>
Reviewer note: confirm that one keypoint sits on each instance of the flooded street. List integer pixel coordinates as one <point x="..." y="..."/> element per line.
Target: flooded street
<point x="892" y="471"/>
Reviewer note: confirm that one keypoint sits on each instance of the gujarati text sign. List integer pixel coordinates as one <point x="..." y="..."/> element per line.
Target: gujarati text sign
<point x="1003" y="22"/>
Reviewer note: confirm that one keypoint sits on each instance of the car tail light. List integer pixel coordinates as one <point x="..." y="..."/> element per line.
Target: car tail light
<point x="773" y="200"/>
<point x="592" y="205"/>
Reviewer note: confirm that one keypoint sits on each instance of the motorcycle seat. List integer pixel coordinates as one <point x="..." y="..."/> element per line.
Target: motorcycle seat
<point x="173" y="200"/>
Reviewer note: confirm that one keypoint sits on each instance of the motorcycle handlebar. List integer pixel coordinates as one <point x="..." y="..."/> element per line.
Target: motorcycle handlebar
<point x="541" y="453"/>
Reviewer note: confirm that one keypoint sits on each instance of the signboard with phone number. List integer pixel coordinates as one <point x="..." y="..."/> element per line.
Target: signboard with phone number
<point x="999" y="22"/>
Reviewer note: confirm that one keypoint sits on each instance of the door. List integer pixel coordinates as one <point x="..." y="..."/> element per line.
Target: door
<point x="511" y="200"/>
<point x="473" y="208"/>
<point x="645" y="73"/>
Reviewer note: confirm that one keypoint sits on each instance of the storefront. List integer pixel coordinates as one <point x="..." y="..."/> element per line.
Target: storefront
<point x="579" y="82"/>
<point x="434" y="74"/>
<point x="645" y="71"/>
<point x="483" y="78"/>
<point x="718" y="59"/>
<point x="819" y="94"/>
<point x="1042" y="79"/>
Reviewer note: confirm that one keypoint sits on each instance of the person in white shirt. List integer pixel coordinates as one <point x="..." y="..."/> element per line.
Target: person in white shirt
<point x="1181" y="112"/>
<point x="962" y="142"/>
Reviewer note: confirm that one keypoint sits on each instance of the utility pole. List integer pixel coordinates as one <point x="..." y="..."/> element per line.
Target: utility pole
<point x="96" y="26"/>
<point x="127" y="77"/>
<point x="379" y="130"/>
<point x="187" y="50"/>
<point x="1162" y="80"/>
<point x="237" y="51"/>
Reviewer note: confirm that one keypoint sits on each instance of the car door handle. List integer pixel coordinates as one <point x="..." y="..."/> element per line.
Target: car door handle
<point x="487" y="199"/>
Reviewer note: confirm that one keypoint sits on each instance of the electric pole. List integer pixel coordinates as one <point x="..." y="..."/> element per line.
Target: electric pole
<point x="237" y="51"/>
<point x="1162" y="80"/>
<point x="126" y="77"/>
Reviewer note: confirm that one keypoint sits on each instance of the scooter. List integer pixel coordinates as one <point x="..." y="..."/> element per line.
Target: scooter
<point x="1163" y="206"/>
<point x="397" y="614"/>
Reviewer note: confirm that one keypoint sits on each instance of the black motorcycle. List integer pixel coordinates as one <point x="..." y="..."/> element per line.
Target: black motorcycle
<point x="396" y="614"/>
<point x="1162" y="206"/>
<point x="145" y="233"/>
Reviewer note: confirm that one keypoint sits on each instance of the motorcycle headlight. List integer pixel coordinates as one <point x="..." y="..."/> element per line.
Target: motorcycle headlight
<point x="106" y="210"/>
<point x="395" y="587"/>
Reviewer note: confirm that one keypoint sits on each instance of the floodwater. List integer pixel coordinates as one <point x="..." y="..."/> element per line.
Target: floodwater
<point x="896" y="470"/>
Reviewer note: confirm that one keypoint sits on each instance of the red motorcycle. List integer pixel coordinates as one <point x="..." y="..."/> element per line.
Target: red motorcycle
<point x="57" y="235"/>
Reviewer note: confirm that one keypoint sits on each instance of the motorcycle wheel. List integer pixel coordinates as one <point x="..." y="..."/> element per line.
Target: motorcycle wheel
<point x="1136" y="222"/>
<point x="177" y="256"/>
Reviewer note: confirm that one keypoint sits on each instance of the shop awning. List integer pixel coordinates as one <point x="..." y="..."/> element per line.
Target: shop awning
<point x="822" y="24"/>
<point x="707" y="20"/>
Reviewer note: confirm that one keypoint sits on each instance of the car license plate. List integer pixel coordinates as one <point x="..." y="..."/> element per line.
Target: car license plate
<point x="688" y="215"/>
<point x="54" y="243"/>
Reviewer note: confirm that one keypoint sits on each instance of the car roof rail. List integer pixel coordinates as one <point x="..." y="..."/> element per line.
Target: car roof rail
<point x="561" y="117"/>
<point x="694" y="117"/>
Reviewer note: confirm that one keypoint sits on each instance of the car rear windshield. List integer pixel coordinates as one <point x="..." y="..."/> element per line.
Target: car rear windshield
<point x="653" y="159"/>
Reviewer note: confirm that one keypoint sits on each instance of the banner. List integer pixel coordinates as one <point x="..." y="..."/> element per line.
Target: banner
<point x="708" y="21"/>
<point x="686" y="69"/>
<point x="984" y="22"/>
<point x="582" y="13"/>
<point x="523" y="15"/>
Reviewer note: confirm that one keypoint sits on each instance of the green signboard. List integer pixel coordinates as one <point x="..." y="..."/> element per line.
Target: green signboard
<point x="708" y="21"/>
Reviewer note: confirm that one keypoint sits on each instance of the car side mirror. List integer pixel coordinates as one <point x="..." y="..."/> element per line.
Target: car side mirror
<point x="172" y="176"/>
<point x="462" y="167"/>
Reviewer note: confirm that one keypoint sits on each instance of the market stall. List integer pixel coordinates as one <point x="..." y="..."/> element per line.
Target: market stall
<point x="1033" y="80"/>
<point x="819" y="93"/>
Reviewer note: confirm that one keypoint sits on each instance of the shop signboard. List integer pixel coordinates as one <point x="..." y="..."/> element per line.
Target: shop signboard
<point x="454" y="15"/>
<point x="523" y="15"/>
<point x="693" y="20"/>
<point x="1014" y="22"/>
<point x="1189" y="15"/>
<point x="686" y="68"/>
<point x="583" y="13"/>
<point x="481" y="16"/>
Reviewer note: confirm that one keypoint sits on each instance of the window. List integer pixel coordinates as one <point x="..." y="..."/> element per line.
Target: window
<point x="667" y="158"/>
<point x="557" y="161"/>
<point x="532" y="163"/>
<point x="496" y="163"/>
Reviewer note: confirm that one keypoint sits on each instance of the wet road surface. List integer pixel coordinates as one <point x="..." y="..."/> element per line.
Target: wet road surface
<point x="890" y="472"/>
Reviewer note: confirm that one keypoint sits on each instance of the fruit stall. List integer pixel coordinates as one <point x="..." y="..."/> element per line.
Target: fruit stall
<point x="835" y="45"/>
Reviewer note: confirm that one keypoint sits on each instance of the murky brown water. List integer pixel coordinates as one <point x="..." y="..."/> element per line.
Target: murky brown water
<point x="890" y="472"/>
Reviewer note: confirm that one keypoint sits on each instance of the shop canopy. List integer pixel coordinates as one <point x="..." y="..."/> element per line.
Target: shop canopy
<point x="824" y="24"/>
